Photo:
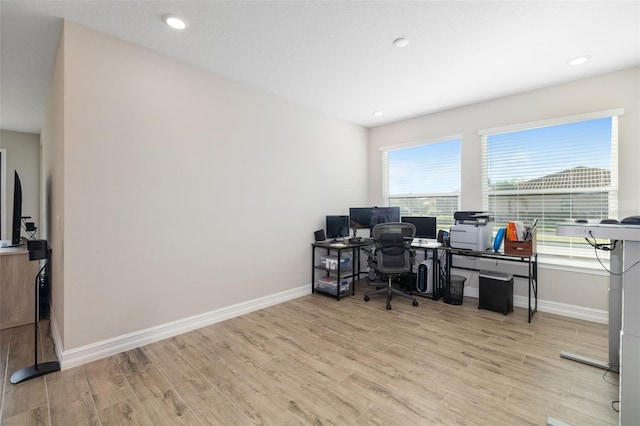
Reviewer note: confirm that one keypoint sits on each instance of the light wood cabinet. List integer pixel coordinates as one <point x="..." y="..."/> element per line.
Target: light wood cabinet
<point x="17" y="287"/>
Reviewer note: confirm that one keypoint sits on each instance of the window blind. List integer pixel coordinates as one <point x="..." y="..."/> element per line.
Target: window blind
<point x="560" y="172"/>
<point x="423" y="179"/>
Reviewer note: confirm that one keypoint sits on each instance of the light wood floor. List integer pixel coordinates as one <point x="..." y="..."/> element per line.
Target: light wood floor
<point x="317" y="361"/>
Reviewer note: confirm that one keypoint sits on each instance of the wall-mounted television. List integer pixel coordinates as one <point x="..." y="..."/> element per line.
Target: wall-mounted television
<point x="337" y="226"/>
<point x="368" y="217"/>
<point x="425" y="226"/>
<point x="17" y="210"/>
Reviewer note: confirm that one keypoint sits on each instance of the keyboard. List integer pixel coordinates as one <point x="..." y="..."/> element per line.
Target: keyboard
<point x="423" y="242"/>
<point x="337" y="245"/>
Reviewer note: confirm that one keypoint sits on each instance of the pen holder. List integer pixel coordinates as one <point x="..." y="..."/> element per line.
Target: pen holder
<point x="521" y="248"/>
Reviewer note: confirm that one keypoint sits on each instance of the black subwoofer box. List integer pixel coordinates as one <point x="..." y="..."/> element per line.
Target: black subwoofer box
<point x="496" y="292"/>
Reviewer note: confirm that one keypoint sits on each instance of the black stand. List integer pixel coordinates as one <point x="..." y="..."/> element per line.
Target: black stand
<point x="37" y="251"/>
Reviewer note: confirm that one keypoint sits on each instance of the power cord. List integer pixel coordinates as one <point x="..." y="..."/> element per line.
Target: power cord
<point x="607" y="247"/>
<point x="604" y="376"/>
<point x="598" y="246"/>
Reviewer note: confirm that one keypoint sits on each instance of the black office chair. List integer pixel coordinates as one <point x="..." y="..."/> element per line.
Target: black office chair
<point x="392" y="257"/>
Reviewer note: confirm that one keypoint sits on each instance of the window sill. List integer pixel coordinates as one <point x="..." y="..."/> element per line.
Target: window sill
<point x="560" y="263"/>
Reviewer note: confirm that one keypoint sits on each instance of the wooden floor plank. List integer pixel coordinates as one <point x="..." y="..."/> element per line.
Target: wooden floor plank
<point x="159" y="398"/>
<point x="38" y="416"/>
<point x="132" y="361"/>
<point x="70" y="401"/>
<point x="107" y="384"/>
<point x="187" y="380"/>
<point x="315" y="360"/>
<point x="125" y="412"/>
<point x="27" y="395"/>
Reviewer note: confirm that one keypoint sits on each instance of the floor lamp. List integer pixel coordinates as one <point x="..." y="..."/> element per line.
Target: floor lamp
<point x="38" y="250"/>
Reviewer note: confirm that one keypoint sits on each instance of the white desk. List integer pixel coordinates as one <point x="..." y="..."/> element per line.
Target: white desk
<point x="624" y="309"/>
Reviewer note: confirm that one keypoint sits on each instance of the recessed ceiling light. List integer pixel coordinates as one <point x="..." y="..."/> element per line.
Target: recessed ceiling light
<point x="174" y="21"/>
<point x="400" y="42"/>
<point x="377" y="113"/>
<point x="579" y="60"/>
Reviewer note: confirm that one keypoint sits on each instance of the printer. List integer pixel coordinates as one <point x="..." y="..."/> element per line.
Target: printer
<point x="472" y="231"/>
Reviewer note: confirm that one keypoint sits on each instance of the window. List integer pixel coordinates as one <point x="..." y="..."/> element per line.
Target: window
<point x="424" y="179"/>
<point x="555" y="171"/>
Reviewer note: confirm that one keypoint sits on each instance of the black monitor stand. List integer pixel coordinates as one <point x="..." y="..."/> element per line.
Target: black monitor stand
<point x="38" y="250"/>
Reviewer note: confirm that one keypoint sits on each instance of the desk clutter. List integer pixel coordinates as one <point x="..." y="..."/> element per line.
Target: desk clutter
<point x="336" y="265"/>
<point x="329" y="285"/>
<point x="472" y="230"/>
<point x="520" y="240"/>
<point x="331" y="262"/>
<point x="334" y="268"/>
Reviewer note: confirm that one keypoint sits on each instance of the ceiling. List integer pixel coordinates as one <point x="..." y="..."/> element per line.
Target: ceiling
<point x="337" y="57"/>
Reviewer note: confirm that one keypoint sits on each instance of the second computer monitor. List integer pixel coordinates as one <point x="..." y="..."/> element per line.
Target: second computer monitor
<point x="337" y="226"/>
<point x="425" y="226"/>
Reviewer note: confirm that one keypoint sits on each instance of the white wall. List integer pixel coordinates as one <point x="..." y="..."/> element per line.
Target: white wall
<point x="23" y="156"/>
<point x="52" y="196"/>
<point x="184" y="192"/>
<point x="614" y="90"/>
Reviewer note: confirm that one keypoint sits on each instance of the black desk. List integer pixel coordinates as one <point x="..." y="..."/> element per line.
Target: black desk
<point x="531" y="261"/>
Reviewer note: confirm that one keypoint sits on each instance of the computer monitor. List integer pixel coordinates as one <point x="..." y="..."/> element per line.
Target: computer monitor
<point x="17" y="210"/>
<point x="425" y="226"/>
<point x="368" y="217"/>
<point x="337" y="226"/>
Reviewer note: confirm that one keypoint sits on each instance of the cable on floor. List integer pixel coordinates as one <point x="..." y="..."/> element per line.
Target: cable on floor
<point x="609" y="370"/>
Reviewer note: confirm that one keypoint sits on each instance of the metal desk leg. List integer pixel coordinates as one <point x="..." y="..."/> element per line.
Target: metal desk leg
<point x="355" y="275"/>
<point x="313" y="269"/>
<point x="533" y="285"/>
<point x="615" y="316"/>
<point x="535" y="282"/>
<point x="630" y="336"/>
<point x="435" y="276"/>
<point x="529" y="299"/>
<point x="437" y="268"/>
<point x="447" y="270"/>
<point x="338" y="274"/>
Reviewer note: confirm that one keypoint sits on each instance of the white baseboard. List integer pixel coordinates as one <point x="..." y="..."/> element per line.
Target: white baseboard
<point x="566" y="310"/>
<point x="78" y="356"/>
<point x="55" y="334"/>
<point x="94" y="351"/>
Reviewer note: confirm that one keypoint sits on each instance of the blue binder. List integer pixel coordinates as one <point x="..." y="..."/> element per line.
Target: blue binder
<point x="497" y="242"/>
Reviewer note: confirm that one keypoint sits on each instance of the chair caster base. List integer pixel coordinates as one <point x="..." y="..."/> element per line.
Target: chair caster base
<point x="388" y="307"/>
<point x="366" y="298"/>
<point x="415" y="303"/>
